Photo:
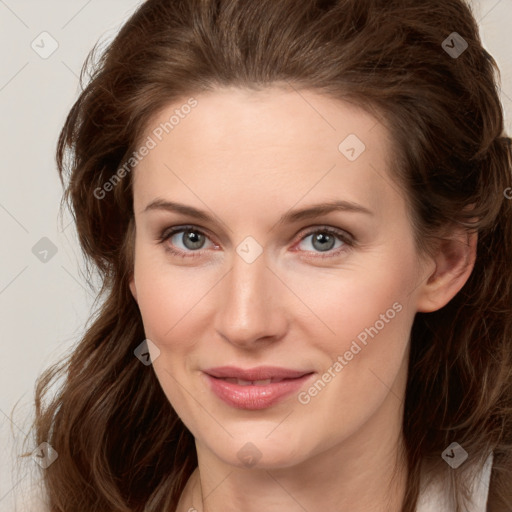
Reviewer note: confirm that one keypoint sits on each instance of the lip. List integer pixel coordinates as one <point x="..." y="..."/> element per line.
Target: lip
<point x="258" y="373"/>
<point x="255" y="396"/>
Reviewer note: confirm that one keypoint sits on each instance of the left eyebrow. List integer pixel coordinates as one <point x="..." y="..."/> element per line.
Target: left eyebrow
<point x="317" y="210"/>
<point x="308" y="212"/>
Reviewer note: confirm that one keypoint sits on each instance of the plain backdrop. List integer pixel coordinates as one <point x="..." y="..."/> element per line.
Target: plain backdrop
<point x="44" y="299"/>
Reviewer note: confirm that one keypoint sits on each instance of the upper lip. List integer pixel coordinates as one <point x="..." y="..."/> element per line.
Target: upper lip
<point x="258" y="373"/>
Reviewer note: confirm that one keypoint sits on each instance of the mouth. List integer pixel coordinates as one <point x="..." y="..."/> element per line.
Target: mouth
<point x="260" y="373"/>
<point x="242" y="382"/>
<point x="255" y="389"/>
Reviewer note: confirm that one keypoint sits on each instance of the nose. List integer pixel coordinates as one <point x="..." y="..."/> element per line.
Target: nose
<point x="251" y="304"/>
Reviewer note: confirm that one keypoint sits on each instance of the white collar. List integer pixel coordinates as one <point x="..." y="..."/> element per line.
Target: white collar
<point x="436" y="497"/>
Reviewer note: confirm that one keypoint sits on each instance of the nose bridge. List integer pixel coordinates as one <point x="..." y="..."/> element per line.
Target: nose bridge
<point x="248" y="286"/>
<point x="247" y="309"/>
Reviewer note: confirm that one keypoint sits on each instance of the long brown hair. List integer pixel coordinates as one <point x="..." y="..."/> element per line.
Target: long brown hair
<point x="121" y="446"/>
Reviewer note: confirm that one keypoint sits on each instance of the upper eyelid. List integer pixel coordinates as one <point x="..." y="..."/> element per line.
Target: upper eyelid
<point x="343" y="235"/>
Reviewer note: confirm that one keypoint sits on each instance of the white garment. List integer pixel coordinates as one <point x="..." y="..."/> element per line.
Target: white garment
<point x="437" y="498"/>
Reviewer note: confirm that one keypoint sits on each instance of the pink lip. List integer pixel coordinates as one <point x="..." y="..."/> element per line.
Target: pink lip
<point x="253" y="396"/>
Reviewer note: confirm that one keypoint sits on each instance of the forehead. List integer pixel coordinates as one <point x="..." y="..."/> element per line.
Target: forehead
<point x="277" y="143"/>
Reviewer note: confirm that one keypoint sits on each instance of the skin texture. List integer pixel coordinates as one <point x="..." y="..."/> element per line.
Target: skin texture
<point x="247" y="158"/>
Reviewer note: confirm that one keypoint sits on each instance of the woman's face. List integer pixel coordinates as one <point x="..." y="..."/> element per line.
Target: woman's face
<point x="330" y="296"/>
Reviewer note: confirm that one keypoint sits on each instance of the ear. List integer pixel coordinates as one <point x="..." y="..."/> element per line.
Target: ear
<point x="453" y="263"/>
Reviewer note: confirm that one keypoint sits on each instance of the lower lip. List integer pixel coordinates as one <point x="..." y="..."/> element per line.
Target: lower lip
<point x="254" y="397"/>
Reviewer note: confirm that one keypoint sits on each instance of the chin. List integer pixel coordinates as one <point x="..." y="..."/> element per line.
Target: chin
<point x="260" y="451"/>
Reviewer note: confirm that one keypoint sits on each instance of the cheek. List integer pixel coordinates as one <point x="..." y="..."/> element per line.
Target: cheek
<point x="349" y="303"/>
<point x="166" y="301"/>
<point x="169" y="299"/>
<point x="369" y="313"/>
<point x="362" y="362"/>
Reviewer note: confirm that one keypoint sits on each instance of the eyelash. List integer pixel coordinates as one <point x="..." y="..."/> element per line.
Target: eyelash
<point x="347" y="240"/>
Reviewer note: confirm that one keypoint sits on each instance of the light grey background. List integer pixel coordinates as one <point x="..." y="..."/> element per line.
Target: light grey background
<point x="45" y="305"/>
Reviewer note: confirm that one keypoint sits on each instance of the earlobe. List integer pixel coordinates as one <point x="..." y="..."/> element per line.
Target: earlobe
<point x="454" y="262"/>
